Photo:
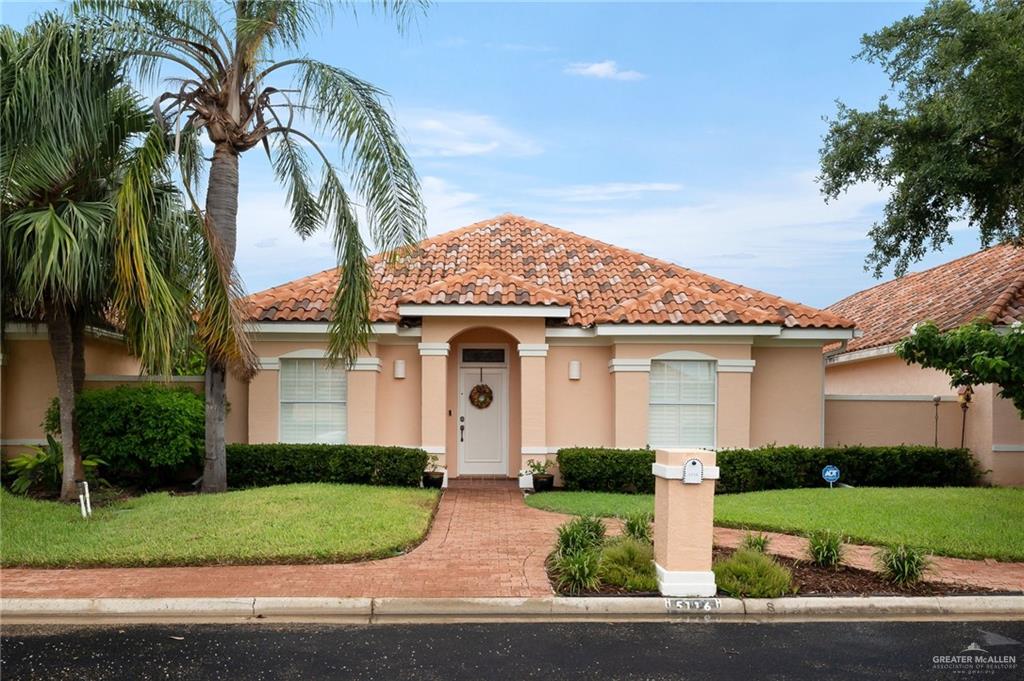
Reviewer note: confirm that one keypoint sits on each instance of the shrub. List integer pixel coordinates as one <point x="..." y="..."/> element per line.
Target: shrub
<point x="578" y="572"/>
<point x="628" y="564"/>
<point x="582" y="533"/>
<point x="261" y="465"/>
<point x="825" y="548"/>
<point x="750" y="574"/>
<point x="42" y="468"/>
<point x="755" y="542"/>
<point x="902" y="564"/>
<point x="144" y="434"/>
<point x="751" y="470"/>
<point x="607" y="470"/>
<point x="638" y="526"/>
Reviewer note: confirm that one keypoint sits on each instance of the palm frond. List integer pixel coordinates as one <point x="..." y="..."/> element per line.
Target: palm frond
<point x="351" y="111"/>
<point x="292" y="169"/>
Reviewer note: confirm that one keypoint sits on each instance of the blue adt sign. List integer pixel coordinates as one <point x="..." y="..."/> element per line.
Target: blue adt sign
<point x="830" y="473"/>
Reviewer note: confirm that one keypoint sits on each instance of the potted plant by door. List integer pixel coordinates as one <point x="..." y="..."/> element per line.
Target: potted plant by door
<point x="434" y="475"/>
<point x="542" y="480"/>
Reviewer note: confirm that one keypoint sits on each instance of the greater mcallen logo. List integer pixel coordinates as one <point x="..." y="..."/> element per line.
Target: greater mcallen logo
<point x="975" y="660"/>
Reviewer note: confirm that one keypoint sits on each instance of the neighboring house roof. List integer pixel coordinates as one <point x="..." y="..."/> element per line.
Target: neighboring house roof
<point x="513" y="260"/>
<point x="989" y="284"/>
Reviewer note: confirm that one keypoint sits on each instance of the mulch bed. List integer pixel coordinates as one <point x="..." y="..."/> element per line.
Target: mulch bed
<point x="811" y="580"/>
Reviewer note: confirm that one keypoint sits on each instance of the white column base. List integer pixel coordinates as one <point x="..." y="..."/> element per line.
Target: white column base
<point x="686" y="584"/>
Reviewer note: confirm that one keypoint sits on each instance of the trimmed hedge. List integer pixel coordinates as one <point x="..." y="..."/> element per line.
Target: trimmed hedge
<point x="773" y="467"/>
<point x="280" y="464"/>
<point x="147" y="434"/>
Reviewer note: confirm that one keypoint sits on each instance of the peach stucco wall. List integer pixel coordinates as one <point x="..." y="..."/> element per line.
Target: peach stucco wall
<point x="398" y="399"/>
<point x="29" y="382"/>
<point x="786" y="396"/>
<point x="580" y="413"/>
<point x="881" y="422"/>
<point x="990" y="419"/>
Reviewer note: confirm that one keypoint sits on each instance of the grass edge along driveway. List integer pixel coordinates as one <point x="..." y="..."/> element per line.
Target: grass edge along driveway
<point x="963" y="522"/>
<point x="302" y="523"/>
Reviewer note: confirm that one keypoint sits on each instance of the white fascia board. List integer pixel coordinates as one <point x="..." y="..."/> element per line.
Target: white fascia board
<point x="568" y="332"/>
<point x="482" y="310"/>
<point x="687" y="330"/>
<point x="323" y="328"/>
<point x="818" y="334"/>
<point x="861" y="355"/>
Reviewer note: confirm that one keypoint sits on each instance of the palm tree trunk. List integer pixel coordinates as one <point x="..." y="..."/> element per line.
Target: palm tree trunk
<point x="78" y="352"/>
<point x="59" y="327"/>
<point x="222" y="211"/>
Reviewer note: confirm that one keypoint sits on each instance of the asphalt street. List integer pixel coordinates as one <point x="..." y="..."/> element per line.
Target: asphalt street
<point x="876" y="650"/>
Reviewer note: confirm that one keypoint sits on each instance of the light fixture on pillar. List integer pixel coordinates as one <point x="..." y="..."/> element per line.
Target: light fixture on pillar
<point x="575" y="370"/>
<point x="399" y="368"/>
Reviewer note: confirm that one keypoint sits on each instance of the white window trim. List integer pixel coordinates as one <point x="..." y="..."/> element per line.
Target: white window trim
<point x="359" y="364"/>
<point x="307" y="355"/>
<point x="482" y="346"/>
<point x="714" y="410"/>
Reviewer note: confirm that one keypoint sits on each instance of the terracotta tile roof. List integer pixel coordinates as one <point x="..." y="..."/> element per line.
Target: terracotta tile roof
<point x="510" y="259"/>
<point x="987" y="284"/>
<point x="484" y="285"/>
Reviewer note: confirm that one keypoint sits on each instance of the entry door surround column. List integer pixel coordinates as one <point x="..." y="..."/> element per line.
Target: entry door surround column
<point x="433" y="396"/>
<point x="533" y="400"/>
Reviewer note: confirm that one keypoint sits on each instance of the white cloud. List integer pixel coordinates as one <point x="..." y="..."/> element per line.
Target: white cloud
<point x="449" y="134"/>
<point x="608" y="191"/>
<point x="603" y="69"/>
<point x="782" y="238"/>
<point x="448" y="206"/>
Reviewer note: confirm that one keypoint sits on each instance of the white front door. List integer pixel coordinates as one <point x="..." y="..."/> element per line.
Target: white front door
<point x="483" y="432"/>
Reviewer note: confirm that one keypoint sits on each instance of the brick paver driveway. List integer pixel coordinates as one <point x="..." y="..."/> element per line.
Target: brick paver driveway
<point x="484" y="542"/>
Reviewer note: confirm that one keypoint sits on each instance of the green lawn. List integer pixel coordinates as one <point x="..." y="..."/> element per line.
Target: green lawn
<point x="975" y="522"/>
<point x="308" y="523"/>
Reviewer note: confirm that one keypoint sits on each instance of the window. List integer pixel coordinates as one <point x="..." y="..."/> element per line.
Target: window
<point x="682" y="404"/>
<point x="313" y="396"/>
<point x="483" y="356"/>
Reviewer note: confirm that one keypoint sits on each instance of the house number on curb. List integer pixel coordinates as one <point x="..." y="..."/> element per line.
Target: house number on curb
<point x="693" y="604"/>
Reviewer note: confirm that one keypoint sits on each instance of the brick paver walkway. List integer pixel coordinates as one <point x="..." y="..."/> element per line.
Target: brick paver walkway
<point x="988" y="574"/>
<point x="484" y="542"/>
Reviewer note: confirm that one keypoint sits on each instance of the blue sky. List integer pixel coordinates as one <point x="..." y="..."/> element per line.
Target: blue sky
<point x="687" y="131"/>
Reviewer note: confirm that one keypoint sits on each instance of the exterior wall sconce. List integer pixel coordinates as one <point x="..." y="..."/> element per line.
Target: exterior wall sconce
<point x="399" y="368"/>
<point x="575" y="370"/>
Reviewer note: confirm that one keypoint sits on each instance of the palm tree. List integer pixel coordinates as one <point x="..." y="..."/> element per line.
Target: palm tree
<point x="230" y="92"/>
<point x="93" y="229"/>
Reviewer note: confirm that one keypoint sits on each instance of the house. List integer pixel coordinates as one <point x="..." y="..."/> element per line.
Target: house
<point x="874" y="397"/>
<point x="508" y="339"/>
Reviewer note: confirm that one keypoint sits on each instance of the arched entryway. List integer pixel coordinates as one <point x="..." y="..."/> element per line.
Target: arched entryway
<point x="483" y="403"/>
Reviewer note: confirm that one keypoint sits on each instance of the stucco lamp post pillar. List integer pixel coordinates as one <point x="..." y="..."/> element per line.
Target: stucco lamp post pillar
<point x="684" y="510"/>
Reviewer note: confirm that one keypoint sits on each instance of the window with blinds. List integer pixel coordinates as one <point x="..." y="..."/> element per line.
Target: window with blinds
<point x="681" y="412"/>
<point x="313" y="396"/>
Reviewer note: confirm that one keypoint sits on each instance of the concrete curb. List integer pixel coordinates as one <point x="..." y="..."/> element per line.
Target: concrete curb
<point x="423" y="610"/>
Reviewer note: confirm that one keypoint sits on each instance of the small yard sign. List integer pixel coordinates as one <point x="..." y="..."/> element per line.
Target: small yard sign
<point x="830" y="473"/>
